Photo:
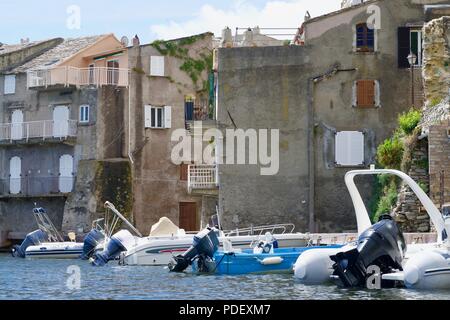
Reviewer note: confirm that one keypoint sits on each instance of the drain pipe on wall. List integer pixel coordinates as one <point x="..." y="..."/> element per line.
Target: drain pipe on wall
<point x="130" y="154"/>
<point x="311" y="148"/>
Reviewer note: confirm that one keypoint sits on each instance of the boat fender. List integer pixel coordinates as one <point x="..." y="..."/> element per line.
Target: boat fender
<point x="271" y="261"/>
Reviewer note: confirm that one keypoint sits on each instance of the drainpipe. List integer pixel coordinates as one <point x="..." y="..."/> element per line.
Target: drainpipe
<point x="311" y="148"/>
<point x="130" y="154"/>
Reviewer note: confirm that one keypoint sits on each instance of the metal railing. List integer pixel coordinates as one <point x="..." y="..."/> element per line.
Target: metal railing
<point x="36" y="186"/>
<point x="202" y="177"/>
<point x="198" y="111"/>
<point x="45" y="129"/>
<point x="95" y="76"/>
<point x="262" y="230"/>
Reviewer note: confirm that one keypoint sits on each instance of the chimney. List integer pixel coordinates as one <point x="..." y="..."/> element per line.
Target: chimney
<point x="227" y="38"/>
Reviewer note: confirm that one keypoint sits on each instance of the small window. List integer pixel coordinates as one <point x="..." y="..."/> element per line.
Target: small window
<point x="84" y="114"/>
<point x="366" y="94"/>
<point x="157" y="66"/>
<point x="365" y="38"/>
<point x="349" y="148"/>
<point x="10" y="84"/>
<point x="416" y="45"/>
<point x="158" y="117"/>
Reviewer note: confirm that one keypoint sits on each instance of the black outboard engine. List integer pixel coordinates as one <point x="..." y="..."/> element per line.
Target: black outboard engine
<point x="32" y="239"/>
<point x="205" y="244"/>
<point x="117" y="244"/>
<point x="382" y="245"/>
<point x="91" y="241"/>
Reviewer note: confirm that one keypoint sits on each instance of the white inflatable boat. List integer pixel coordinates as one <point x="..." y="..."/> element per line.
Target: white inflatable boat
<point x="425" y="266"/>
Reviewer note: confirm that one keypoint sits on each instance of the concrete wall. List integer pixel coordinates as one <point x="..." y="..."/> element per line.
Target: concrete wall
<point x="267" y="88"/>
<point x="157" y="187"/>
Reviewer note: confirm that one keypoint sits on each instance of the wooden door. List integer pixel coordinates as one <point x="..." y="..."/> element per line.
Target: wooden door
<point x="188" y="216"/>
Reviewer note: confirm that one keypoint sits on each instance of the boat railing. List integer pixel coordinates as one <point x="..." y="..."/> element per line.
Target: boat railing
<point x="261" y="230"/>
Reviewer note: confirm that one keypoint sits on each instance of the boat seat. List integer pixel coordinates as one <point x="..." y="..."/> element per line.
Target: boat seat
<point x="72" y="236"/>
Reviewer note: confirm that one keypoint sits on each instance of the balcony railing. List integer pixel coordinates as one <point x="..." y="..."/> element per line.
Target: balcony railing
<point x="24" y="131"/>
<point x="96" y="76"/>
<point x="36" y="186"/>
<point x="198" y="111"/>
<point x="202" y="177"/>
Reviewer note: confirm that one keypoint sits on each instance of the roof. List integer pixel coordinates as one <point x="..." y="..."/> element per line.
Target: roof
<point x="58" y="54"/>
<point x="8" y="48"/>
<point x="342" y="10"/>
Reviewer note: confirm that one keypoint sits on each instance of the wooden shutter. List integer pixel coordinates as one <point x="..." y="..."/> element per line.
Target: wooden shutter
<point x="365" y="93"/>
<point x="184" y="171"/>
<point x="148" y="116"/>
<point x="404" y="47"/>
<point x="167" y="117"/>
<point x="157" y="66"/>
<point x="10" y="84"/>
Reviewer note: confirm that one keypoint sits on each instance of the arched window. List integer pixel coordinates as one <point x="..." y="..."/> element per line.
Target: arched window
<point x="365" y="38"/>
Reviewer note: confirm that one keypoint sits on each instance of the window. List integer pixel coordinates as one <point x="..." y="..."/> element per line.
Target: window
<point x="10" y="84"/>
<point x="416" y="45"/>
<point x="158" y="117"/>
<point x="84" y="114"/>
<point x="365" y="38"/>
<point x="349" y="148"/>
<point x="409" y="40"/>
<point x="366" y="94"/>
<point x="157" y="66"/>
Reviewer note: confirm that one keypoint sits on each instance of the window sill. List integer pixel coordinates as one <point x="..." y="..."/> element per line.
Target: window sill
<point x="150" y="128"/>
<point x="365" y="53"/>
<point x="366" y="107"/>
<point x="84" y="124"/>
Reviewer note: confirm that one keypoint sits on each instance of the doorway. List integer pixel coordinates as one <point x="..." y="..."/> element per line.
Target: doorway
<point x="188" y="216"/>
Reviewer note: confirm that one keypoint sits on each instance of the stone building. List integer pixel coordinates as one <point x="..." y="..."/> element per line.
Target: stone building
<point x="61" y="113"/>
<point x="334" y="99"/>
<point x="171" y="88"/>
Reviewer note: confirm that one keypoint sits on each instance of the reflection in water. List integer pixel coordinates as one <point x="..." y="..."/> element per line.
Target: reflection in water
<point x="46" y="279"/>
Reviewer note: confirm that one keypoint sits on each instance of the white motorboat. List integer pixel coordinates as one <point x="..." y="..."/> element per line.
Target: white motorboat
<point x="46" y="242"/>
<point x="425" y="266"/>
<point x="166" y="240"/>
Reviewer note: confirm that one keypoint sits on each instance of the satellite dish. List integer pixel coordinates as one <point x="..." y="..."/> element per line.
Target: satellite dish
<point x="124" y="41"/>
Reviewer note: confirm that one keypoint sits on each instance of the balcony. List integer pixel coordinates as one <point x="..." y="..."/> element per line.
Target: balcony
<point x="203" y="178"/>
<point x="67" y="76"/>
<point x="55" y="186"/>
<point x="37" y="131"/>
<point x="196" y="113"/>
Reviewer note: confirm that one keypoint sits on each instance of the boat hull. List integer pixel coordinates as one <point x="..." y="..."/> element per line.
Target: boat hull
<point x="159" y="251"/>
<point x="246" y="262"/>
<point x="62" y="250"/>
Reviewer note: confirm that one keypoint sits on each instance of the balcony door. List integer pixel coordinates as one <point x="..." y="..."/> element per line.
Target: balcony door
<point x="17" y="125"/>
<point x="66" y="173"/>
<point x="15" y="171"/>
<point x="61" y="121"/>
<point x="113" y="71"/>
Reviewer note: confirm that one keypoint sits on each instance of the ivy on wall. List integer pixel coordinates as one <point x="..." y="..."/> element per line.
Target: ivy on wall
<point x="193" y="67"/>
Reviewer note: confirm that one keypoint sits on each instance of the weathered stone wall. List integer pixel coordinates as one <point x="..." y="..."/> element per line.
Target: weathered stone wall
<point x="409" y="212"/>
<point x="436" y="63"/>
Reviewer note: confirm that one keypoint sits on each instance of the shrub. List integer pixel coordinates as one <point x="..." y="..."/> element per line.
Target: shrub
<point x="390" y="153"/>
<point x="408" y="121"/>
<point x="387" y="201"/>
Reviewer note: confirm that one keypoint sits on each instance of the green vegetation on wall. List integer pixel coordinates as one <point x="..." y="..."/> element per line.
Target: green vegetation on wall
<point x="193" y="67"/>
<point x="114" y="184"/>
<point x="395" y="153"/>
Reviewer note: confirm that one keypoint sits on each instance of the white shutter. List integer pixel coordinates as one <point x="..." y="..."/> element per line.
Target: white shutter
<point x="17" y="125"/>
<point x="355" y="94"/>
<point x="15" y="170"/>
<point x="10" y="84"/>
<point x="167" y="117"/>
<point x="66" y="178"/>
<point x="349" y="148"/>
<point x="157" y="66"/>
<point x="377" y="94"/>
<point x="148" y="116"/>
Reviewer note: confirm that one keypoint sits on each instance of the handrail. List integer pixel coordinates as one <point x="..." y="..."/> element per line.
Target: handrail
<point x="259" y="230"/>
<point x="110" y="206"/>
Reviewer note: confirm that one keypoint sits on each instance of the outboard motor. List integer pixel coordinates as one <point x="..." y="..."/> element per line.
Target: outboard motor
<point x="91" y="241"/>
<point x="381" y="245"/>
<point x="205" y="244"/>
<point x="32" y="239"/>
<point x="117" y="244"/>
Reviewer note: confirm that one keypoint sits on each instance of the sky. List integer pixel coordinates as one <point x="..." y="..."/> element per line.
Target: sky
<point x="149" y="19"/>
